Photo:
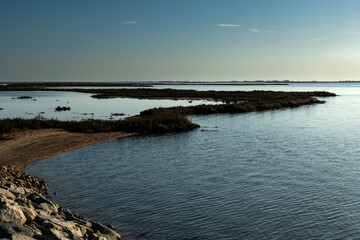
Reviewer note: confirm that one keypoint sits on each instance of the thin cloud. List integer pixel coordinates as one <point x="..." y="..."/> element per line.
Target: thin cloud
<point x="228" y="25"/>
<point x="353" y="32"/>
<point x="130" y="22"/>
<point x="255" y="30"/>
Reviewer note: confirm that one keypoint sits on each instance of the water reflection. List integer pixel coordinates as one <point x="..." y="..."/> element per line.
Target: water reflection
<point x="81" y="104"/>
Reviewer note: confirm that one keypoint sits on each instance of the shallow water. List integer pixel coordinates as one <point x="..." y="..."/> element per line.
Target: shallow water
<point x="286" y="174"/>
<point x="43" y="103"/>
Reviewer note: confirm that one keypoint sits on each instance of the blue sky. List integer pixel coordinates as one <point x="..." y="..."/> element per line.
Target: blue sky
<point x="201" y="40"/>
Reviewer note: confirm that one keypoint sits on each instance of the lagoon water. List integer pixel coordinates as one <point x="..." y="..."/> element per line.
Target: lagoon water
<point x="285" y="174"/>
<point x="43" y="104"/>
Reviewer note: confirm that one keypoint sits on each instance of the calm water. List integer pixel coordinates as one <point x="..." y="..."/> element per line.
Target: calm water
<point x="81" y="104"/>
<point x="286" y="174"/>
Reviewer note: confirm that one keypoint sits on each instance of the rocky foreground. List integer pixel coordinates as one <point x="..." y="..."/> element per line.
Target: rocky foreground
<point x="25" y="213"/>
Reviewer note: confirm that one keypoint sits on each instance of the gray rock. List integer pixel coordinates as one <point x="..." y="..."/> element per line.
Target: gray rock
<point x="29" y="213"/>
<point x="110" y="234"/>
<point x="46" y="237"/>
<point x="7" y="194"/>
<point x="47" y="207"/>
<point x="82" y="222"/>
<point x="7" y="229"/>
<point x="69" y="215"/>
<point x="59" y="234"/>
<point x="19" y="236"/>
<point x="10" y="211"/>
<point x="38" y="199"/>
<point x="67" y="226"/>
<point x="39" y="230"/>
<point x="33" y="228"/>
<point x="26" y="214"/>
<point x="17" y="190"/>
<point x="50" y="225"/>
<point x="98" y="236"/>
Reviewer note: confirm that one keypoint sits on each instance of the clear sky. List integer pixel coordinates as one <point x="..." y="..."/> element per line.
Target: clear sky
<point x="201" y="40"/>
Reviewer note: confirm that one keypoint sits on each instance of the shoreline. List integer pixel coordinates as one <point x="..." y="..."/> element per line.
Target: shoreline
<point x="26" y="214"/>
<point x="26" y="146"/>
<point x="44" y="140"/>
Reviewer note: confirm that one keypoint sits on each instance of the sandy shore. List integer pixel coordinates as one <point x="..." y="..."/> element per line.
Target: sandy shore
<point x="32" y="145"/>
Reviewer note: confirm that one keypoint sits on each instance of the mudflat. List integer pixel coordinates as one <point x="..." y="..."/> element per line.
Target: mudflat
<point x="27" y="146"/>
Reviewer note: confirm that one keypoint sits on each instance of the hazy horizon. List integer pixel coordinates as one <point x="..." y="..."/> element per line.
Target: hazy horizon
<point x="204" y="40"/>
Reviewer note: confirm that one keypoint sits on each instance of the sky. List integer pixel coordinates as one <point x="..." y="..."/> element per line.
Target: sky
<point x="179" y="40"/>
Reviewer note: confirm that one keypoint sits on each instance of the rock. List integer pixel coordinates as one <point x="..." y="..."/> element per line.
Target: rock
<point x="19" y="236"/>
<point x="10" y="211"/>
<point x="47" y="207"/>
<point x="34" y="228"/>
<point x="82" y="222"/>
<point x="69" y="215"/>
<point x="67" y="226"/>
<point x="38" y="199"/>
<point x="50" y="225"/>
<point x="18" y="191"/>
<point x="110" y="234"/>
<point x="82" y="229"/>
<point x="59" y="234"/>
<point x="7" y="194"/>
<point x="42" y="203"/>
<point x="26" y="214"/>
<point x="21" y="200"/>
<point x="29" y="213"/>
<point x="95" y="236"/>
<point x="7" y="229"/>
<point x="39" y="230"/>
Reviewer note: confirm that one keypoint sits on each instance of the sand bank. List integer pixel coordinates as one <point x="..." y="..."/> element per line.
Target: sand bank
<point x="32" y="145"/>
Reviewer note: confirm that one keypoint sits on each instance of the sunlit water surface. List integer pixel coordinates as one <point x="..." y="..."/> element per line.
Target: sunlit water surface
<point x="285" y="174"/>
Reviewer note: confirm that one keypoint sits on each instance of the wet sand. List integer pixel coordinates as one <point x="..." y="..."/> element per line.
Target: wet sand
<point x="31" y="145"/>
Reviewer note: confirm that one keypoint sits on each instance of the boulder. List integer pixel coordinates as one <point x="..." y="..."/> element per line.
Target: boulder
<point x="48" y="207"/>
<point x="34" y="228"/>
<point x="6" y="193"/>
<point x="110" y="234"/>
<point x="10" y="211"/>
<point x="19" y="236"/>
<point x="18" y="190"/>
<point x="38" y="199"/>
<point x="7" y="229"/>
<point x="59" y="234"/>
<point x="67" y="226"/>
<point x="50" y="225"/>
<point x="29" y="213"/>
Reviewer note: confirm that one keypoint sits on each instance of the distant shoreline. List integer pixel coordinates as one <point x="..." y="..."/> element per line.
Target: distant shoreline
<point x="222" y="84"/>
<point x="151" y="83"/>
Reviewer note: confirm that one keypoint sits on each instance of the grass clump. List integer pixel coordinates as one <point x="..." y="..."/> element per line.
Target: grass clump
<point x="24" y="97"/>
<point x="146" y="124"/>
<point x="59" y="109"/>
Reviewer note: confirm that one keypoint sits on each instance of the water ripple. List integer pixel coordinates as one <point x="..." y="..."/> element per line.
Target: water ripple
<point x="291" y="174"/>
